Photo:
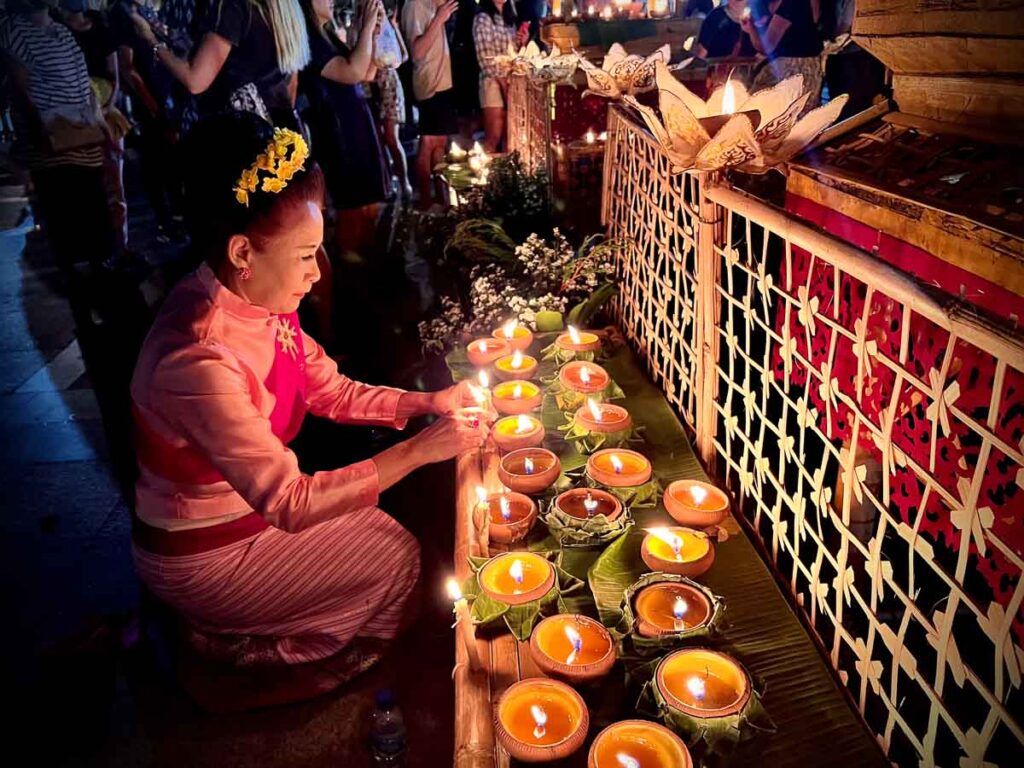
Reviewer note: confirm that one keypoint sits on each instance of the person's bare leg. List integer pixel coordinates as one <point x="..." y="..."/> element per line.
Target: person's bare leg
<point x="494" y="127"/>
<point x="430" y="153"/>
<point x="397" y="153"/>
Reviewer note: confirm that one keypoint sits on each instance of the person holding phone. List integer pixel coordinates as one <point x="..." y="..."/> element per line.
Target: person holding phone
<point x="494" y="31"/>
<point x="423" y="23"/>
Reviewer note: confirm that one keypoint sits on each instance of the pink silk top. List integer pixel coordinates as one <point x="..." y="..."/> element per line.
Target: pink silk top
<point x="220" y="387"/>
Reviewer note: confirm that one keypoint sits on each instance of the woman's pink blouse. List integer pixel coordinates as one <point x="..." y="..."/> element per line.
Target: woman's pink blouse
<point x="200" y="382"/>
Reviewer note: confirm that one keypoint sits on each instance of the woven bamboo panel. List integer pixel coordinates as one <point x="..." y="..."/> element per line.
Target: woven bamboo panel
<point x="654" y="213"/>
<point x="873" y="435"/>
<point x="529" y="124"/>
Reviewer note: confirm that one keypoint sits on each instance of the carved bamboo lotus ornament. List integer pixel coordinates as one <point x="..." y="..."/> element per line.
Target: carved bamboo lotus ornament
<point x="624" y="74"/>
<point x="734" y="128"/>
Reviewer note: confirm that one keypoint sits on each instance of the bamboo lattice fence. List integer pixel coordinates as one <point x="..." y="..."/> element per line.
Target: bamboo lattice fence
<point x="529" y="128"/>
<point x="872" y="433"/>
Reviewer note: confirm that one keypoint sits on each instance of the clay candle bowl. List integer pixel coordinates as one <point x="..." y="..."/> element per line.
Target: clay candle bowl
<point x="696" y="504"/>
<point x="510" y="517"/>
<point x="585" y="503"/>
<point x="638" y="744"/>
<point x="515" y="578"/>
<point x="515" y="366"/>
<point x="576" y="341"/>
<point x="537" y="720"/>
<point x="603" y="417"/>
<point x="515" y="335"/>
<point x="483" y="352"/>
<point x="583" y="377"/>
<point x="529" y="470"/>
<point x="514" y="432"/>
<point x="702" y="683"/>
<point x="678" y="550"/>
<point x="618" y="468"/>
<point x="515" y="397"/>
<point x="572" y="648"/>
<point x="670" y="607"/>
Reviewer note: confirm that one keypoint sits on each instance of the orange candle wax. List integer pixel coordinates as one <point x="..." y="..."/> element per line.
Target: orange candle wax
<point x="618" y="468"/>
<point x="702" y="682"/>
<point x="603" y="417"/>
<point x="516" y="507"/>
<point x="516" y="396"/>
<point x="678" y="550"/>
<point x="583" y="377"/>
<point x="691" y="502"/>
<point x="647" y="744"/>
<point x="529" y="470"/>
<point x="573" y="640"/>
<point x="515" y="366"/>
<point x="578" y="341"/>
<point x="670" y="607"/>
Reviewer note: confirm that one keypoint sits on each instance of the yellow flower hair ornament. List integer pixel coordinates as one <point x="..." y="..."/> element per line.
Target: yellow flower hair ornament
<point x="284" y="156"/>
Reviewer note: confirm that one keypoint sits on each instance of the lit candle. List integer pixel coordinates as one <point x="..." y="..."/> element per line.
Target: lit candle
<point x="464" y="624"/>
<point x="456" y="152"/>
<point x="575" y="340"/>
<point x="584" y="503"/>
<point x="667" y="607"/>
<point x="602" y="136"/>
<point x="638" y="744"/>
<point x="618" y="468"/>
<point x="515" y="366"/>
<point x="483" y="352"/>
<point x="480" y="520"/>
<point x="515" y="335"/>
<point x="538" y="720"/>
<point x="590" y="136"/>
<point x="606" y="14"/>
<point x="516" y="577"/>
<point x="510" y="516"/>
<point x="696" y="504"/>
<point x="575" y="13"/>
<point x="477" y="150"/>
<point x="592" y="10"/>
<point x="529" y="470"/>
<point x="506" y="509"/>
<point x="678" y="550"/>
<point x="517" y="396"/>
<point x="702" y="683"/>
<point x="603" y="417"/>
<point x="583" y="378"/>
<point x="514" y="432"/>
<point x="573" y="648"/>
<point x="476" y="162"/>
<point x="728" y="97"/>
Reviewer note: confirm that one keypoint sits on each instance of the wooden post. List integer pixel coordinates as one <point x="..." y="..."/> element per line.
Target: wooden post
<point x="709" y="230"/>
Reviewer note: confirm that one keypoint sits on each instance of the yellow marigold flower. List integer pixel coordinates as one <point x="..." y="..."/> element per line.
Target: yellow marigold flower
<point x="271" y="184"/>
<point x="242" y="196"/>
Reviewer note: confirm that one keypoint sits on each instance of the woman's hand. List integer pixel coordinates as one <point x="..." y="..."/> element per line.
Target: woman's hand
<point x="448" y="402"/>
<point x="523" y="34"/>
<point x="142" y="29"/>
<point x="448" y="437"/>
<point x="373" y="15"/>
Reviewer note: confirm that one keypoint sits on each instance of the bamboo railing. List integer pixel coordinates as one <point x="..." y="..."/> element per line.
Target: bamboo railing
<point x="870" y="429"/>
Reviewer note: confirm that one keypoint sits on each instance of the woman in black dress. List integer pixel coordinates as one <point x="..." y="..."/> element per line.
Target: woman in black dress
<point x="345" y="141"/>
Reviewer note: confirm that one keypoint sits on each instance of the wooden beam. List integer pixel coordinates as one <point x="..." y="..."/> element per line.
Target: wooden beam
<point x="999" y="18"/>
<point x="981" y="102"/>
<point x="949" y="55"/>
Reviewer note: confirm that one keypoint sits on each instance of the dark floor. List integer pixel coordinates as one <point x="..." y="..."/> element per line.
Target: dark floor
<point x="84" y="688"/>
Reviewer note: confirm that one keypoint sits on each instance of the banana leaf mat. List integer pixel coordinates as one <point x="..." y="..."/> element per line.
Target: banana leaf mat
<point x="814" y="720"/>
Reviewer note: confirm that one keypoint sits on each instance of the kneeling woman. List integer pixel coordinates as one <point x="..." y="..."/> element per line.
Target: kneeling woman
<point x="267" y="565"/>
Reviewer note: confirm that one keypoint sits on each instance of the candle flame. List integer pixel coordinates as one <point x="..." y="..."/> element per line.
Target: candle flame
<point x="481" y="495"/>
<point x="696" y="686"/>
<point x="523" y="424"/>
<point x="506" y="508"/>
<point x="602" y="136"/>
<point x="616" y="463"/>
<point x="729" y="97"/>
<point x="590" y="137"/>
<point x="575" y="13"/>
<point x="584" y="374"/>
<point x="453" y="589"/>
<point x="698" y="494"/>
<point x="456" y="150"/>
<point x="679" y="608"/>
<point x="574" y="334"/>
<point x="607" y="12"/>
<point x="477" y="149"/>
<point x="482" y="346"/>
<point x="592" y="10"/>
<point x="528" y="465"/>
<point x="517" y="360"/>
<point x="477" y="394"/>
<point x="627" y="761"/>
<point x="517" y="391"/>
<point x="508" y="330"/>
<point x="595" y="409"/>
<point x="516" y="571"/>
<point x="540" y="717"/>
<point x="482" y="378"/>
<point x="590" y="504"/>
<point x="669" y="538"/>
<point x="576" y="640"/>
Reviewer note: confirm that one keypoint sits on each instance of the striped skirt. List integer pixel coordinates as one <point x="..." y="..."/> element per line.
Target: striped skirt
<point x="278" y="597"/>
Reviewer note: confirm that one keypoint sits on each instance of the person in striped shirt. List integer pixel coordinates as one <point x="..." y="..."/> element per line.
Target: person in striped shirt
<point x="60" y="134"/>
<point x="493" y="32"/>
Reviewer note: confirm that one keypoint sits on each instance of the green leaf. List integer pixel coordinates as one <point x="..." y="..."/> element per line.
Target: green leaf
<point x="613" y="572"/>
<point x="481" y="240"/>
<point x="581" y="314"/>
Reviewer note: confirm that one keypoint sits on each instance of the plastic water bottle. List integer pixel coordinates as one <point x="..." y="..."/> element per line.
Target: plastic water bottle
<point x="387" y="731"/>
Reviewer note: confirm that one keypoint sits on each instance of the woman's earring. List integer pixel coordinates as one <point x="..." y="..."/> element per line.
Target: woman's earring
<point x="244" y="273"/>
